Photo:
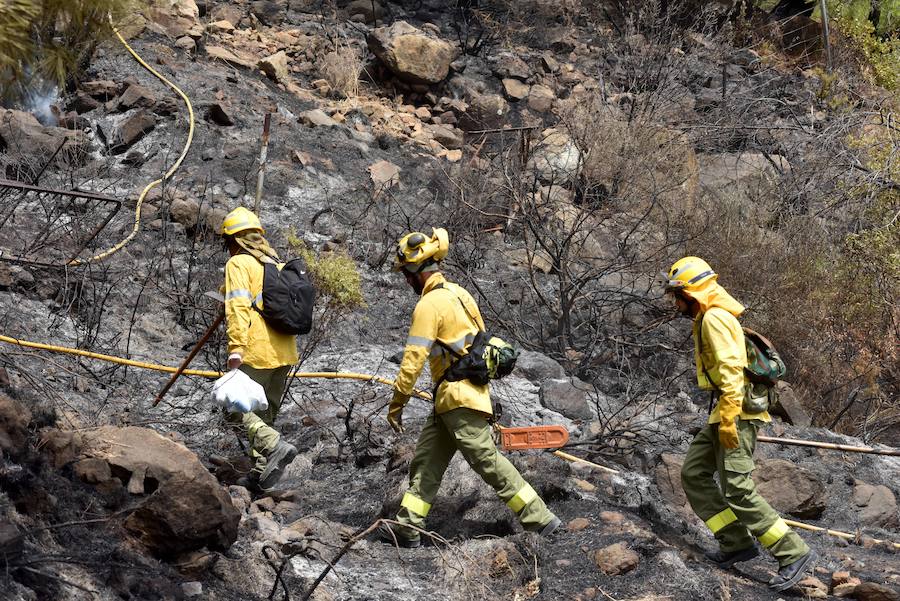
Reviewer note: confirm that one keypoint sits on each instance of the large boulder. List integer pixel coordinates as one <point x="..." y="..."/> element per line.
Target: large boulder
<point x="185" y="514"/>
<point x="790" y="488"/>
<point x="411" y="54"/>
<point x="538" y="367"/>
<point x="26" y="145"/>
<point x="176" y="18"/>
<point x="877" y="505"/>
<point x="556" y="158"/>
<point x="187" y="509"/>
<point x="568" y="397"/>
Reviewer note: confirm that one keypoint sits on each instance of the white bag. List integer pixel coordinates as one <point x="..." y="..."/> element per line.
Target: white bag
<point x="236" y="392"/>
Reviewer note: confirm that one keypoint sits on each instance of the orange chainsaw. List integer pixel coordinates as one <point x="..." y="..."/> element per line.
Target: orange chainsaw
<point x="532" y="437"/>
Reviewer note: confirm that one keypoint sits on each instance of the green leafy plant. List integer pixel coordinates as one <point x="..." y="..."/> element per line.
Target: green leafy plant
<point x="879" y="53"/>
<point x="338" y="289"/>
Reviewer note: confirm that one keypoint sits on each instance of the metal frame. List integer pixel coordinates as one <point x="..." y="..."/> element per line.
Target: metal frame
<point x="8" y="187"/>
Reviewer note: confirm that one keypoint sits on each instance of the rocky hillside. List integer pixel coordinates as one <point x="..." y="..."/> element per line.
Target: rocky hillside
<point x="572" y="151"/>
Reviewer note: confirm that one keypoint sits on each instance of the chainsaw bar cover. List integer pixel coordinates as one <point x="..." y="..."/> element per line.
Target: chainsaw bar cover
<point x="533" y="437"/>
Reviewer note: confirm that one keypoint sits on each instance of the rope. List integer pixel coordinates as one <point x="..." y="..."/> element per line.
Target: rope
<point x="168" y="174"/>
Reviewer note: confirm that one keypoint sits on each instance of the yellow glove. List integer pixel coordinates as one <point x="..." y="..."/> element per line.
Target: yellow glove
<point x="395" y="410"/>
<point x="728" y="434"/>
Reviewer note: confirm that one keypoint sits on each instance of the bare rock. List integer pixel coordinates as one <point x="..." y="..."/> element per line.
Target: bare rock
<point x="567" y="396"/>
<point x="14" y="420"/>
<point x="870" y="591"/>
<point x="514" y="89"/>
<point x="538" y="367"/>
<point x="185" y="514"/>
<point x="27" y="143"/>
<point x="541" y="98"/>
<point x="83" y="102"/>
<point x="176" y="18"/>
<point x="219" y="114"/>
<point x="790" y="488"/>
<point x="485" y="111"/>
<point x="578" y="524"/>
<point x="366" y="11"/>
<point x="668" y="480"/>
<point x="510" y="66"/>
<point x="185" y="211"/>
<point x="448" y="137"/>
<point x="269" y="12"/>
<point x="229" y="57"/>
<point x="616" y="559"/>
<point x="229" y="11"/>
<point x="877" y="505"/>
<point x="789" y="407"/>
<point x="136" y="96"/>
<point x="317" y="118"/>
<point x="276" y="67"/>
<point x="221" y="26"/>
<point x="102" y="89"/>
<point x="130" y="131"/>
<point x="556" y="158"/>
<point x="411" y="54"/>
<point x="384" y="174"/>
<point x="92" y="470"/>
<point x="813" y="588"/>
<point x="186" y="43"/>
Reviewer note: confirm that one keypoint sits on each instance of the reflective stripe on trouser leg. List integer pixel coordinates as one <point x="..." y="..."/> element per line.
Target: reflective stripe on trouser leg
<point x="720" y="520"/>
<point x="415" y="504"/>
<point x="434" y="450"/>
<point x="473" y="438"/>
<point x="522" y="498"/>
<point x="774" y="533"/>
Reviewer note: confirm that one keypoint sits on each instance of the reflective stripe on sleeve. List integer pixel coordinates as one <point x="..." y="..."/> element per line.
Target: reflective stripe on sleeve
<point x="239" y="293"/>
<point x="525" y="496"/>
<point x="720" y="520"/>
<point x="419" y="341"/>
<point x="415" y="504"/>
<point x="774" y="533"/>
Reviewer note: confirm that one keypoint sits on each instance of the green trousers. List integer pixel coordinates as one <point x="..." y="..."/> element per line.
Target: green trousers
<point x="733" y="510"/>
<point x="258" y="425"/>
<point x="468" y="432"/>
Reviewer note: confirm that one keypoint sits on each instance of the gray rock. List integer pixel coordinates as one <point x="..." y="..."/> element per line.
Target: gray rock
<point x="269" y="12"/>
<point x="514" y="89"/>
<point x="789" y="407"/>
<point x="877" y="505"/>
<point x="511" y="66"/>
<point x="367" y="11"/>
<point x="130" y="131"/>
<point x="448" y="137"/>
<point x="485" y="111"/>
<point x="185" y="211"/>
<point x="566" y="396"/>
<point x="790" y="488"/>
<point x="870" y="591"/>
<point x="538" y="367"/>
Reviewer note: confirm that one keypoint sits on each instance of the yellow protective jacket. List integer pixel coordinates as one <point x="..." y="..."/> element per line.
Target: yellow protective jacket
<point x="724" y="352"/>
<point x="248" y="334"/>
<point x="439" y="315"/>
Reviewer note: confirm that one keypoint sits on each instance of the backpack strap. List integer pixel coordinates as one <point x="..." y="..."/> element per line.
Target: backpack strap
<point x="716" y="390"/>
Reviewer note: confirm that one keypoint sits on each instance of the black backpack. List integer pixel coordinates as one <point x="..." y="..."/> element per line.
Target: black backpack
<point x="288" y="297"/>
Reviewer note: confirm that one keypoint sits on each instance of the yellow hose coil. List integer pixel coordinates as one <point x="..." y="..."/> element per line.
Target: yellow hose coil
<point x="169" y="173"/>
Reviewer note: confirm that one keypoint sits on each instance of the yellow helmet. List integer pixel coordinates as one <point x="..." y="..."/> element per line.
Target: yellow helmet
<point x="239" y="220"/>
<point x="416" y="251"/>
<point x="688" y="273"/>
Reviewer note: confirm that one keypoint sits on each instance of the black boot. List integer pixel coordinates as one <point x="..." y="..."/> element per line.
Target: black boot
<point x="726" y="560"/>
<point x="792" y="573"/>
<point x="250" y="481"/>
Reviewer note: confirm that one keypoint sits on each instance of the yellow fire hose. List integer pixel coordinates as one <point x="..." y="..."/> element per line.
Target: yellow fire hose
<point x="168" y="174"/>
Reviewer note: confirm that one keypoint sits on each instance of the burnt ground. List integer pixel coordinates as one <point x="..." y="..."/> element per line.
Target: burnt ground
<point x="351" y="468"/>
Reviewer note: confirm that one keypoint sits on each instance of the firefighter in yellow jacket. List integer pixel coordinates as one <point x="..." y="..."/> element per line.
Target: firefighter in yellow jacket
<point x="733" y="510"/>
<point x="253" y="347"/>
<point x="447" y="316"/>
